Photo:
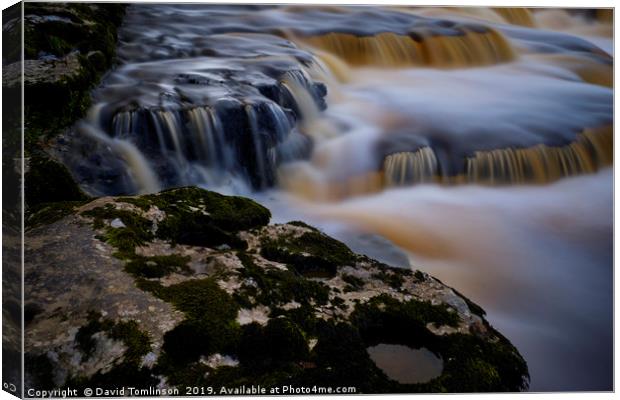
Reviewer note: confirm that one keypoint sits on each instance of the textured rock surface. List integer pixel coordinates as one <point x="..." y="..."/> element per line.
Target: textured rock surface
<point x="130" y="287"/>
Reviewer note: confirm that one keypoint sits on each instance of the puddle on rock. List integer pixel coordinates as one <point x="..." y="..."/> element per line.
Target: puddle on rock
<point x="405" y="364"/>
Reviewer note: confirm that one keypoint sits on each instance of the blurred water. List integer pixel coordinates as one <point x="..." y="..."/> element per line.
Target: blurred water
<point x="538" y="259"/>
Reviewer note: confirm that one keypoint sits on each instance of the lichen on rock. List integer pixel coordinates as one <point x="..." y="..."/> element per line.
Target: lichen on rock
<point x="220" y="297"/>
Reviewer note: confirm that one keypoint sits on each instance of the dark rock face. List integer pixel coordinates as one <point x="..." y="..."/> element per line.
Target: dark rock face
<point x="67" y="47"/>
<point x="242" y="305"/>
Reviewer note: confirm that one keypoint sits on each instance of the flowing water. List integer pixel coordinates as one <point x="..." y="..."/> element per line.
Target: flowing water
<point x="472" y="143"/>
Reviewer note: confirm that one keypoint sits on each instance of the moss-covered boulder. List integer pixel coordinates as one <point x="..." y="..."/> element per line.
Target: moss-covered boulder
<point x="253" y="304"/>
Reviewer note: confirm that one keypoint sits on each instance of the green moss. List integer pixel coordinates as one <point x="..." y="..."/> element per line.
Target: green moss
<point x="48" y="213"/>
<point x="210" y="324"/>
<point x="383" y="310"/>
<point x="157" y="266"/>
<point x="304" y="317"/>
<point x="198" y="298"/>
<point x="198" y="217"/>
<point x="280" y="342"/>
<point x="137" y="230"/>
<point x="280" y="287"/>
<point x="229" y="213"/>
<point x="393" y="278"/>
<point x="137" y="342"/>
<point x="194" y="217"/>
<point x="302" y="224"/>
<point x="311" y="254"/>
<point x="355" y="282"/>
<point x="342" y="359"/>
<point x="419" y="276"/>
<point x="476" y="365"/>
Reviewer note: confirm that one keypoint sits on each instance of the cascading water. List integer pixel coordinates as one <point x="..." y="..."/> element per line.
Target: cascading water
<point x="424" y="125"/>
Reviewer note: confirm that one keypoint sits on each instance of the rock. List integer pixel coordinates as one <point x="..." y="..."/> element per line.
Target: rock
<point x="251" y="301"/>
<point x="117" y="223"/>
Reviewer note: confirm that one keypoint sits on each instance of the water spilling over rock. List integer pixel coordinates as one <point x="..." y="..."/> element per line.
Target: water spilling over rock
<point x="300" y="97"/>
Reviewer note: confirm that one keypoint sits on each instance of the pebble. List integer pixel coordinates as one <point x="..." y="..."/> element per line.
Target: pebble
<point x="117" y="223"/>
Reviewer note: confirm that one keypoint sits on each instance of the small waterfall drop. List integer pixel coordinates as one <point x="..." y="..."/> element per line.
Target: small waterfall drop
<point x="410" y="167"/>
<point x="465" y="47"/>
<point x="138" y="167"/>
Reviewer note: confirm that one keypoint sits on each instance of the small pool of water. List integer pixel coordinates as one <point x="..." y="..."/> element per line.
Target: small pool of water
<point x="404" y="364"/>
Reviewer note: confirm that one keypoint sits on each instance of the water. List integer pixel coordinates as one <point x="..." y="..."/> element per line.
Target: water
<point x="404" y="364"/>
<point x="472" y="143"/>
<point x="538" y="259"/>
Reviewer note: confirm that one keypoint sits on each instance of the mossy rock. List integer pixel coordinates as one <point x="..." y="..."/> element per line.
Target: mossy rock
<point x="279" y="343"/>
<point x="47" y="213"/>
<point x="136" y="230"/>
<point x="280" y="287"/>
<point x="72" y="33"/>
<point x="194" y="217"/>
<point x="157" y="266"/>
<point x="126" y="372"/>
<point x="312" y="254"/>
<point x="210" y="325"/>
<point x="48" y="181"/>
<point x="228" y="213"/>
<point x="297" y="307"/>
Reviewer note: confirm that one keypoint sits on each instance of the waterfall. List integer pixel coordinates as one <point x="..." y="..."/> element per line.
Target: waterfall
<point x="244" y="106"/>
<point x="207" y="136"/>
<point x="295" y="85"/>
<point x="592" y="150"/>
<point x="467" y="46"/>
<point x="516" y="15"/>
<point x="260" y="151"/>
<point x="138" y="168"/>
<point x="191" y="144"/>
<point x="410" y="167"/>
